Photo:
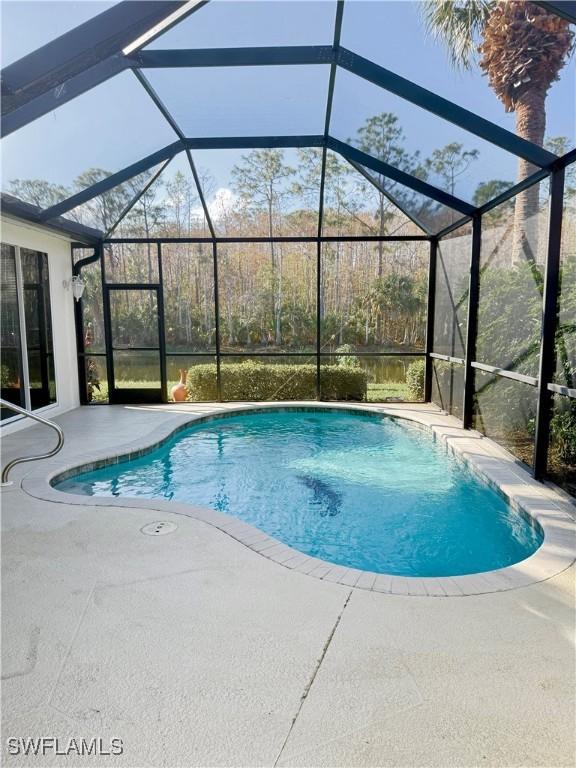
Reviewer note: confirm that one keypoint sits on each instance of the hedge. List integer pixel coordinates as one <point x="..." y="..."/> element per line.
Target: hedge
<point x="252" y="380"/>
<point x="415" y="379"/>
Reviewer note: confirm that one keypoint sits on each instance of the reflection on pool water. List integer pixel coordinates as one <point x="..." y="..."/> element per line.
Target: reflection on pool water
<point x="356" y="489"/>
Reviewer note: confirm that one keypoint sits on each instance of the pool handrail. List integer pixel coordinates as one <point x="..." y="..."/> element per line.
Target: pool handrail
<point x="22" y="459"/>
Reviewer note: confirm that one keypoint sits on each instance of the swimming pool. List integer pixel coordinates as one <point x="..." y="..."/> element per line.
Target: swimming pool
<point x="356" y="489"/>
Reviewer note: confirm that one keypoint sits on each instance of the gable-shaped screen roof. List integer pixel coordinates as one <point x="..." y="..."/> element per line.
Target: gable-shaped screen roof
<point x="145" y="91"/>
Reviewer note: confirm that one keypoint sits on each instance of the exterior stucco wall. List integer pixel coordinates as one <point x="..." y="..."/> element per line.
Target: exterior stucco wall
<point x="17" y="232"/>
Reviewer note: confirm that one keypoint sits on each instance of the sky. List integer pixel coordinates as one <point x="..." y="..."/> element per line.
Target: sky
<point x="116" y="123"/>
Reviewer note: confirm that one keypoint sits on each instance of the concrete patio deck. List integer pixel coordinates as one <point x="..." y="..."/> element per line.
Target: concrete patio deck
<point x="197" y="651"/>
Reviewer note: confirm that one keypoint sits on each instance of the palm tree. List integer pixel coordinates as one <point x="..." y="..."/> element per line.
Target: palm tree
<point x="522" y="48"/>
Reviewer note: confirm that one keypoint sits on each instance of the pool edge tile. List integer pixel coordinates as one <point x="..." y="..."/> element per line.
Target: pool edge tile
<point x="488" y="462"/>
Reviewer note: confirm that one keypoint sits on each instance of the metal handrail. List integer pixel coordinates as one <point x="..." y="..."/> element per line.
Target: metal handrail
<point x="23" y="459"/>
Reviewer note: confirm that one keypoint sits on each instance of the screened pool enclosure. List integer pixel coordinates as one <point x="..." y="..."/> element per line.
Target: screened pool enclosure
<point x="308" y="200"/>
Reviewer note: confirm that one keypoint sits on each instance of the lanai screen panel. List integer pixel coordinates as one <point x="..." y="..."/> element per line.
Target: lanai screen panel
<point x="566" y="334"/>
<point x="451" y="293"/>
<point x="103" y="211"/>
<point x="170" y="206"/>
<point x="394" y="35"/>
<point x="19" y="37"/>
<point x="245" y="101"/>
<point x="512" y="273"/>
<point x="353" y="204"/>
<point x="230" y="24"/>
<point x="88" y="138"/>
<point x="261" y="192"/>
<point x="411" y="138"/>
<point x="430" y="214"/>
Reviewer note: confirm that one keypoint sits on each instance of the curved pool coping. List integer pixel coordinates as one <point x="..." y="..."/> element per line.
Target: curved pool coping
<point x="533" y="500"/>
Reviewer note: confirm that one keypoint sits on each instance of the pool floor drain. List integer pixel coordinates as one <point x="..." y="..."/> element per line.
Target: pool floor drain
<point x="159" y="529"/>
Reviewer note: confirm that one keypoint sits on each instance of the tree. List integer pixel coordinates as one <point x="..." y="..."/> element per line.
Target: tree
<point x="39" y="192"/>
<point x="260" y="181"/>
<point x="342" y="214"/>
<point x="178" y="196"/>
<point x="148" y="215"/>
<point x="488" y="190"/>
<point x="382" y="137"/>
<point x="103" y="210"/>
<point x="451" y="162"/>
<point x="560" y="145"/>
<point x="523" y="48"/>
<point x="341" y="208"/>
<point x="208" y="186"/>
<point x="307" y="186"/>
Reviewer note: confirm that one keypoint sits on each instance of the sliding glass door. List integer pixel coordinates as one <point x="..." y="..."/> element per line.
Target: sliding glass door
<point x="11" y="373"/>
<point x="27" y="366"/>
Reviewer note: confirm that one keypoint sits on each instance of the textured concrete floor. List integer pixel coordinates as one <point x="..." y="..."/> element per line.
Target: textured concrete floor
<point x="197" y="651"/>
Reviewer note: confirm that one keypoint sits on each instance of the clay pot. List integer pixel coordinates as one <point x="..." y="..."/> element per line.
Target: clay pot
<point x="178" y="391"/>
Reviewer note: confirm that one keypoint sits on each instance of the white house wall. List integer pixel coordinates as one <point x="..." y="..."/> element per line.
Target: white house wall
<point x="26" y="235"/>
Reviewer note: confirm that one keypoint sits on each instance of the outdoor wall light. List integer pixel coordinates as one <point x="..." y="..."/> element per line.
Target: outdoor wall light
<point x="77" y="285"/>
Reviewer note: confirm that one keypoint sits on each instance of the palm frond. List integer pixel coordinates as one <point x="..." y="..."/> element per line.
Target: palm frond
<point x="457" y="24"/>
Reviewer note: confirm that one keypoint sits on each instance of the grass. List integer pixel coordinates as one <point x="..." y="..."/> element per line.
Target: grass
<point x="380" y="392"/>
<point x="101" y="395"/>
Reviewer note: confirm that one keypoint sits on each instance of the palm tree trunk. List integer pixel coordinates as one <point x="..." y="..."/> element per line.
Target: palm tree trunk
<point x="530" y="125"/>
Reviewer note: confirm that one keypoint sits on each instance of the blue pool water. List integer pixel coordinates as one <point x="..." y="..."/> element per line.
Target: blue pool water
<point x="355" y="489"/>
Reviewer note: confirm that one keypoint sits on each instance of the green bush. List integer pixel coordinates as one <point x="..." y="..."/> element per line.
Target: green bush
<point x="343" y="382"/>
<point x="563" y="431"/>
<point x="349" y="359"/>
<point x="415" y="379"/>
<point x="201" y="382"/>
<point x="253" y="380"/>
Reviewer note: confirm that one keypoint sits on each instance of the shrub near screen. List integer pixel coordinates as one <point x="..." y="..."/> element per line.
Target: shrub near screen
<point x="258" y="381"/>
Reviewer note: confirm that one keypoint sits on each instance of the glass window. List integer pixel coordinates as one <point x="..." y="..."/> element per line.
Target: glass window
<point x="512" y="267"/>
<point x="374" y="296"/>
<point x="505" y="410"/>
<point x="11" y="366"/>
<point x="38" y="319"/>
<point x="27" y="369"/>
